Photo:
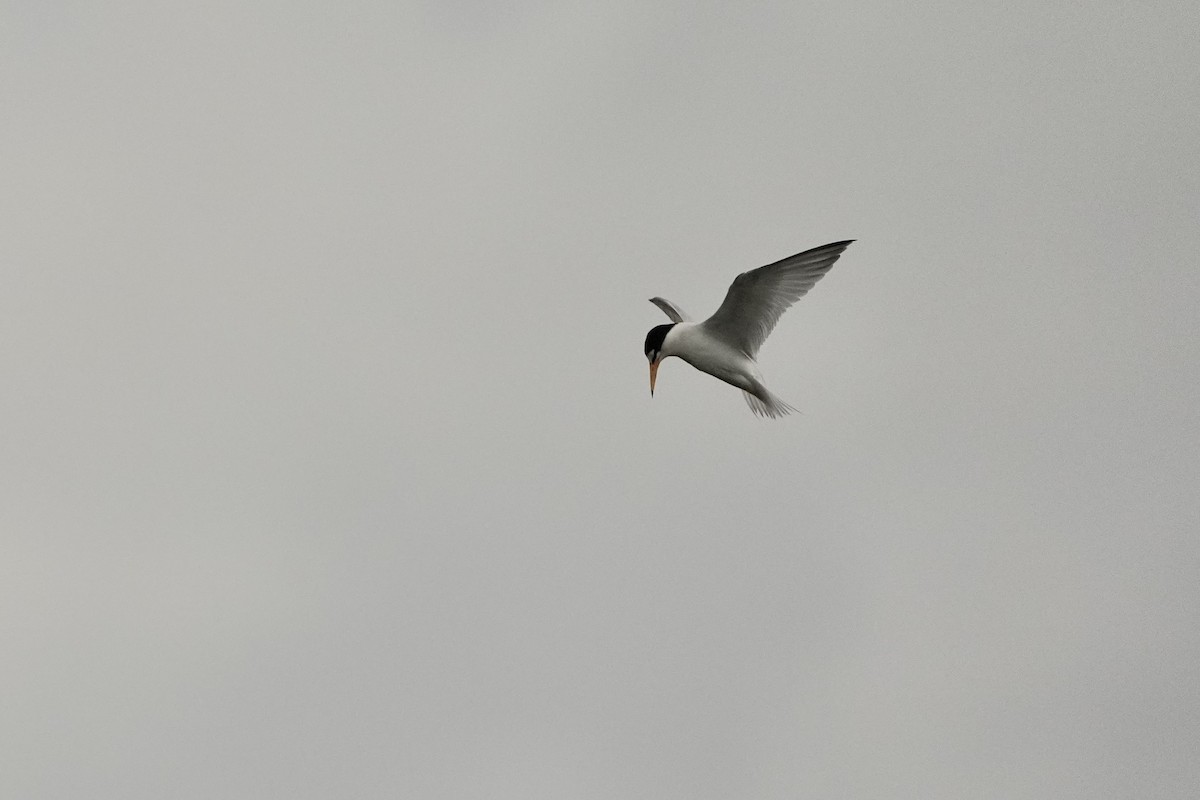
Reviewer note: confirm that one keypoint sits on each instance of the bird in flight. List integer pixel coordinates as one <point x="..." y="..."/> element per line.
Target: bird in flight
<point x="725" y="344"/>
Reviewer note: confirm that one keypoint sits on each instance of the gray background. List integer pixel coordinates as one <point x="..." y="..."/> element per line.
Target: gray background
<point x="329" y="467"/>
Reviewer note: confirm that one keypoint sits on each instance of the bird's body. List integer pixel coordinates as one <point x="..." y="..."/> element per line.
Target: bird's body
<point x="725" y="345"/>
<point x="691" y="342"/>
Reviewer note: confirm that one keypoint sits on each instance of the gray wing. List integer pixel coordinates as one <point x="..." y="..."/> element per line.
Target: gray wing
<point x="757" y="298"/>
<point x="673" y="311"/>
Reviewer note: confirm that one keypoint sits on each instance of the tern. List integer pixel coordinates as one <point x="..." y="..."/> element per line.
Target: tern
<point x="725" y="345"/>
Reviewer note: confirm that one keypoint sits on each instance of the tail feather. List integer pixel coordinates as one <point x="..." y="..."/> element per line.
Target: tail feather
<point x="766" y="404"/>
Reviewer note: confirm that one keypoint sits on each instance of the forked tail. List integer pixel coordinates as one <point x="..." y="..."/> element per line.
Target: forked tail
<point x="765" y="404"/>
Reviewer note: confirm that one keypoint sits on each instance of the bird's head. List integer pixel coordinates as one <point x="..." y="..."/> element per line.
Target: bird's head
<point x="654" y="349"/>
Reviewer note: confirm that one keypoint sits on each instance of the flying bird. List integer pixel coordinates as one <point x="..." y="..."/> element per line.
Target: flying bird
<point x="725" y="344"/>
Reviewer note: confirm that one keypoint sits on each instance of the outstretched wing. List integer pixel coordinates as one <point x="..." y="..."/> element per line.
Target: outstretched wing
<point x="757" y="298"/>
<point x="673" y="311"/>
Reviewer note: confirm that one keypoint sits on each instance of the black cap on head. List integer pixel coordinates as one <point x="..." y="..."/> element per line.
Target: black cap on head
<point x="654" y="339"/>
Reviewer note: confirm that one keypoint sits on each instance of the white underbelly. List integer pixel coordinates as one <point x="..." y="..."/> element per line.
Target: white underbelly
<point x="715" y="357"/>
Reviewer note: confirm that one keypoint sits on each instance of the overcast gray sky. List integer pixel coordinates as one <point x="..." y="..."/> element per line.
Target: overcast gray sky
<point x="329" y="466"/>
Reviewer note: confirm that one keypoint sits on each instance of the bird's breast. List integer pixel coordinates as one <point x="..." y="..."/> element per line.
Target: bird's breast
<point x="707" y="353"/>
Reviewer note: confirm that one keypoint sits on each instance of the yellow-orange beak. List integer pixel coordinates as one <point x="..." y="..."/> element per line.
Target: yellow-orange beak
<point x="653" y="375"/>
